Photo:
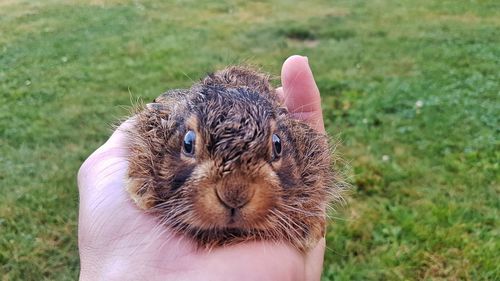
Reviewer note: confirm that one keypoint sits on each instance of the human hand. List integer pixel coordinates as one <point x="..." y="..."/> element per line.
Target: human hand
<point x="117" y="241"/>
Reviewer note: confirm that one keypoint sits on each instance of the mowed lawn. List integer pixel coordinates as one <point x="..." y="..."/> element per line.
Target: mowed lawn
<point x="410" y="88"/>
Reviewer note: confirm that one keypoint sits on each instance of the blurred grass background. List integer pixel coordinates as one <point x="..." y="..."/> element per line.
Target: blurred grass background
<point x="412" y="88"/>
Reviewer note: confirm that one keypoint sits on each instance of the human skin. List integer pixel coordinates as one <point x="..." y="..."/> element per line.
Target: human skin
<point x="117" y="241"/>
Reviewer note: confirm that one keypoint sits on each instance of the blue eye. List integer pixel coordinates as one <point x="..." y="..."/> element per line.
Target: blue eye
<point x="188" y="143"/>
<point x="276" y="146"/>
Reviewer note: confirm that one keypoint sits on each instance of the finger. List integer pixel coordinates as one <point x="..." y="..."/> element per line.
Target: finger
<point x="119" y="136"/>
<point x="112" y="153"/>
<point x="314" y="261"/>
<point x="301" y="95"/>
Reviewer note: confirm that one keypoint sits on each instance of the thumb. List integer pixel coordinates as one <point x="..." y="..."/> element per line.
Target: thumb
<point x="300" y="93"/>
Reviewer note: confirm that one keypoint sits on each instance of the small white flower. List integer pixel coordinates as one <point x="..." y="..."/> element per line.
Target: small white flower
<point x="419" y="104"/>
<point x="385" y="158"/>
<point x="64" y="59"/>
<point x="365" y="121"/>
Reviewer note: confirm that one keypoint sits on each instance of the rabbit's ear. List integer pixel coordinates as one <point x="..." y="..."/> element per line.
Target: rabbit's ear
<point x="156" y="106"/>
<point x="171" y="96"/>
<point x="147" y="141"/>
<point x="142" y="192"/>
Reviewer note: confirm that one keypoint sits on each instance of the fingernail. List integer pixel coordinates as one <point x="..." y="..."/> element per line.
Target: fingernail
<point x="306" y="58"/>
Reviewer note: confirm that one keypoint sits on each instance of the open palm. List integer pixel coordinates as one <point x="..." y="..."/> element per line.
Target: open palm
<point x="118" y="241"/>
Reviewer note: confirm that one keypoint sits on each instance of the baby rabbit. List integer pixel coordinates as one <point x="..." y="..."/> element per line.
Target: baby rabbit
<point x="223" y="162"/>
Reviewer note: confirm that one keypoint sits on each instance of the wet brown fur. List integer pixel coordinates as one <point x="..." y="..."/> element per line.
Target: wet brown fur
<point x="234" y="113"/>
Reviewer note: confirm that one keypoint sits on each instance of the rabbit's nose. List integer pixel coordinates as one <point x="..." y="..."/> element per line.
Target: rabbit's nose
<point x="234" y="197"/>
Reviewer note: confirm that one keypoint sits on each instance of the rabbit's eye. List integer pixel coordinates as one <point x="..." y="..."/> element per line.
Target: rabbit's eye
<point x="188" y="143"/>
<point x="276" y="146"/>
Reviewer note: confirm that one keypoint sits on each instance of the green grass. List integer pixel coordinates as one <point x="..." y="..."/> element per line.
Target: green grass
<point x="426" y="197"/>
